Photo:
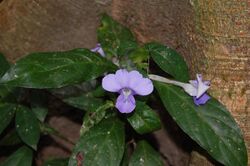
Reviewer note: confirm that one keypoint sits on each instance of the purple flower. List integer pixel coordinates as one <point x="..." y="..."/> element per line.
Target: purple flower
<point x="98" y="49"/>
<point x="200" y="88"/>
<point x="127" y="84"/>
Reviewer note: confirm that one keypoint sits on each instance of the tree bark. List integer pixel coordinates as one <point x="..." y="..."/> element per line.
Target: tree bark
<point x="213" y="36"/>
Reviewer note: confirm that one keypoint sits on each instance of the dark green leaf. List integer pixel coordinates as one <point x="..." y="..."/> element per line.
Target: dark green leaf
<point x="74" y="90"/>
<point x="57" y="162"/>
<point x="4" y="65"/>
<point x="27" y="126"/>
<point x="12" y="138"/>
<point x="126" y="155"/>
<point x="56" y="69"/>
<point x="39" y="104"/>
<point x="7" y="111"/>
<point x="115" y="39"/>
<point x="145" y="155"/>
<point x="102" y="145"/>
<point x="144" y="119"/>
<point x="22" y="157"/>
<point x="84" y="102"/>
<point x="140" y="57"/>
<point x="93" y="117"/>
<point x="169" y="61"/>
<point x="211" y="125"/>
<point x="6" y="93"/>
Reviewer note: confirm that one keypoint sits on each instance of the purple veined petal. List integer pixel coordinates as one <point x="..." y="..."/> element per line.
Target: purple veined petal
<point x="134" y="79"/>
<point x="144" y="87"/>
<point x="110" y="83"/>
<point x="122" y="77"/>
<point x="201" y="100"/>
<point x="125" y="105"/>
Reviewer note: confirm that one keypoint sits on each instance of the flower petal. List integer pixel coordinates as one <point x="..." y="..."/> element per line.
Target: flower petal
<point x="190" y="89"/>
<point x="98" y="49"/>
<point x="144" y="87"/>
<point x="201" y="100"/>
<point x="122" y="77"/>
<point x="125" y="105"/>
<point x="134" y="79"/>
<point x="110" y="83"/>
<point x="202" y="87"/>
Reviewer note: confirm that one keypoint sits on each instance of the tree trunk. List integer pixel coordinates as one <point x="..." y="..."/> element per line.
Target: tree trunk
<point x="213" y="36"/>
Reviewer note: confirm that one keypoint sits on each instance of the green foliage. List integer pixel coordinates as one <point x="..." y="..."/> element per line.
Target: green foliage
<point x="27" y="126"/>
<point x="4" y="65"/>
<point x="145" y="155"/>
<point x="39" y="105"/>
<point x="7" y="112"/>
<point x="56" y="69"/>
<point x="102" y="145"/>
<point x="84" y="102"/>
<point x="169" y="61"/>
<point x="116" y="40"/>
<point x="22" y="157"/>
<point x="10" y="139"/>
<point x="40" y="82"/>
<point x="211" y="125"/>
<point x="144" y="119"/>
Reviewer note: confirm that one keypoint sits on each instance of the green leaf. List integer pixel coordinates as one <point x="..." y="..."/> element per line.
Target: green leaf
<point x="7" y="112"/>
<point x="22" y="157"/>
<point x="144" y="119"/>
<point x="10" y="139"/>
<point x="6" y="93"/>
<point x="145" y="155"/>
<point x="84" y="102"/>
<point x="4" y="65"/>
<point x="39" y="104"/>
<point x="56" y="69"/>
<point x="210" y="125"/>
<point x="27" y="126"/>
<point x="93" y="117"/>
<point x="115" y="39"/>
<point x="169" y="61"/>
<point x="57" y="162"/>
<point x="102" y="145"/>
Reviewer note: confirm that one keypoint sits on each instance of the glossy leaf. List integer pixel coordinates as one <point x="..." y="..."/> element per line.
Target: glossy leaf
<point x="27" y="126"/>
<point x="4" y="65"/>
<point x="102" y="145"/>
<point x="7" y="112"/>
<point x="115" y="39"/>
<point x="57" y="162"/>
<point x="169" y="61"/>
<point x="12" y="138"/>
<point x="145" y="155"/>
<point x="56" y="69"/>
<point x="5" y="91"/>
<point x="84" y="102"/>
<point x="93" y="117"/>
<point x="210" y="125"/>
<point x="22" y="157"/>
<point x="144" y="119"/>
